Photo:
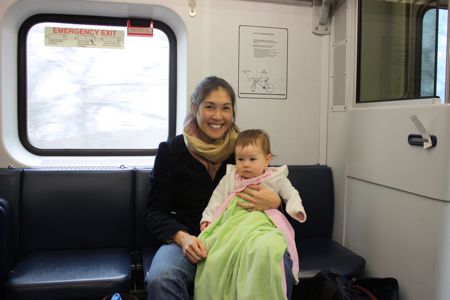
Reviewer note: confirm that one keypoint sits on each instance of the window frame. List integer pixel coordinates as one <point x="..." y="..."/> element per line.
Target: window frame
<point x="88" y="20"/>
<point x="416" y="67"/>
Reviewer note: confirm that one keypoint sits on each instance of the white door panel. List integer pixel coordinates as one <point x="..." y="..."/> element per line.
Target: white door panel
<point x="397" y="196"/>
<point x="379" y="151"/>
<point x="401" y="235"/>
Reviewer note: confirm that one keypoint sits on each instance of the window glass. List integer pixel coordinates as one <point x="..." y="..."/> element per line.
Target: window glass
<point x="427" y="86"/>
<point x="442" y="54"/>
<point x="397" y="50"/>
<point x="92" y="88"/>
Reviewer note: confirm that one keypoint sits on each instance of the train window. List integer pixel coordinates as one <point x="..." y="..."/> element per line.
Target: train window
<point x="399" y="43"/>
<point x="433" y="76"/>
<point x="95" y="86"/>
<point x="441" y="61"/>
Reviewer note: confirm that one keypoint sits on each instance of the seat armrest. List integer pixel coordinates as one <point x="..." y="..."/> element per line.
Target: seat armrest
<point x="5" y="238"/>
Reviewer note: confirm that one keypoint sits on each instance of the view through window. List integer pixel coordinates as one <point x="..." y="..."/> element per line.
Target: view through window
<point x="85" y="90"/>
<point x="402" y="50"/>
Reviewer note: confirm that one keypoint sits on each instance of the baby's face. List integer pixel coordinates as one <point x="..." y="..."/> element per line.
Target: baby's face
<point x="251" y="160"/>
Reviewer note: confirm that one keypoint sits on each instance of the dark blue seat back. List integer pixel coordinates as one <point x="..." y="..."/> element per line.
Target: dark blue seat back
<point x="315" y="185"/>
<point x="77" y="209"/>
<point x="142" y="190"/>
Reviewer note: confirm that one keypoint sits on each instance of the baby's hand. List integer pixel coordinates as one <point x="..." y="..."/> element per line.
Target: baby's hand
<point x="203" y="225"/>
<point x="300" y="215"/>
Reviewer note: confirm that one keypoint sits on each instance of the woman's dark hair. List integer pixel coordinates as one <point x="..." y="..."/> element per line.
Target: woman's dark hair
<point x="204" y="88"/>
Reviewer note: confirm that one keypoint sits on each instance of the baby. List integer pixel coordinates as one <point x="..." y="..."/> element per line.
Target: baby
<point x="244" y="245"/>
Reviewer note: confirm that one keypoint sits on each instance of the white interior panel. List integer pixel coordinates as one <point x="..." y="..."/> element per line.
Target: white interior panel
<point x="207" y="45"/>
<point x="400" y="235"/>
<point x="379" y="151"/>
<point x="397" y="210"/>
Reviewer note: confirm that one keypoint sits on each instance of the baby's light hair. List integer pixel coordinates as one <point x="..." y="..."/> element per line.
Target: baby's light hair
<point x="257" y="137"/>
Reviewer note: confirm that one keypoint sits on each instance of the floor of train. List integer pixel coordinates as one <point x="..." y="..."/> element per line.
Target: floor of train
<point x="299" y="292"/>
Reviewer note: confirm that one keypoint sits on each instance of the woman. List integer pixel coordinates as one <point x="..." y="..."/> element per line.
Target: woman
<point x="187" y="169"/>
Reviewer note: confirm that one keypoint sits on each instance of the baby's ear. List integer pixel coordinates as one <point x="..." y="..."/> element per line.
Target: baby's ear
<point x="268" y="159"/>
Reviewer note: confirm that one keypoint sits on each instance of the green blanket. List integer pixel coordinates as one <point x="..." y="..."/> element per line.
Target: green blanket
<point x="245" y="257"/>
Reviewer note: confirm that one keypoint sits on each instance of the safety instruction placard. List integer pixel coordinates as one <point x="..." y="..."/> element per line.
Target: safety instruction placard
<point x="263" y="62"/>
<point x="84" y="37"/>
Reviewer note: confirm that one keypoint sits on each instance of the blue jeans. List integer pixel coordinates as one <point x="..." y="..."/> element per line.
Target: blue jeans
<point x="171" y="275"/>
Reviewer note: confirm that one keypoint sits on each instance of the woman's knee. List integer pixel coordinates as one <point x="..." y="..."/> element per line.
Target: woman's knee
<point x="176" y="271"/>
<point x="169" y="282"/>
<point x="158" y="279"/>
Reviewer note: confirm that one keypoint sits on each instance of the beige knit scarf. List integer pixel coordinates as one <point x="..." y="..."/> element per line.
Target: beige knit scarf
<point x="211" y="155"/>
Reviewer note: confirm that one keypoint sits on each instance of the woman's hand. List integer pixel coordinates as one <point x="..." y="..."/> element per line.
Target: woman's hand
<point x="193" y="248"/>
<point x="259" y="198"/>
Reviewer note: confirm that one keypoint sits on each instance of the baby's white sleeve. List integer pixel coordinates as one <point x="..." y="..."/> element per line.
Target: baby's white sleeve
<point x="292" y="199"/>
<point x="218" y="197"/>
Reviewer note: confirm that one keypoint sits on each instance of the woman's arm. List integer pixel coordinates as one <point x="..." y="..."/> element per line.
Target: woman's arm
<point x="259" y="198"/>
<point x="159" y="220"/>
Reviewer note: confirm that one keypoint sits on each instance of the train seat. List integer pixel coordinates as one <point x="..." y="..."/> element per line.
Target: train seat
<point x="76" y="234"/>
<point x="80" y="233"/>
<point x="71" y="274"/>
<point x="316" y="247"/>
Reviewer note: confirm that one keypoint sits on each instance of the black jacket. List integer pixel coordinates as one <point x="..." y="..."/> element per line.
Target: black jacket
<point x="180" y="190"/>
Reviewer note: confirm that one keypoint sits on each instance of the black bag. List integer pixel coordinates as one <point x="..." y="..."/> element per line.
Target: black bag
<point x="327" y="285"/>
<point x="383" y="288"/>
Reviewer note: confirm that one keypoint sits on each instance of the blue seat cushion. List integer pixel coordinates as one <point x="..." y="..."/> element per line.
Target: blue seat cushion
<point x="71" y="274"/>
<point x="317" y="254"/>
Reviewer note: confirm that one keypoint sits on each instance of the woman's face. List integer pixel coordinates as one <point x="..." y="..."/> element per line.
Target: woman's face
<point x="215" y="114"/>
